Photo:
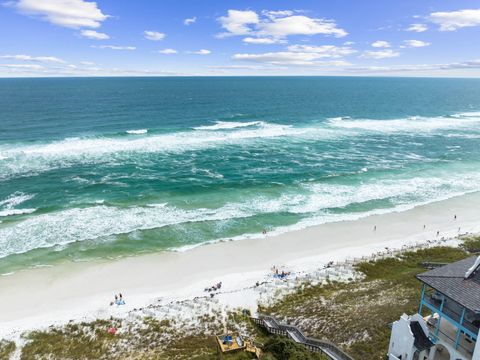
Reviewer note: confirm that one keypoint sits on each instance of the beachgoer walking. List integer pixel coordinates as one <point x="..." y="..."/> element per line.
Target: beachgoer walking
<point x="455" y="217"/>
<point x="438" y="232"/>
<point x="375" y="228"/>
<point x="424" y="226"/>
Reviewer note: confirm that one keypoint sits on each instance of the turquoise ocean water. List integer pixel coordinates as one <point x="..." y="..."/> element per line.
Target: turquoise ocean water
<point x="108" y="167"/>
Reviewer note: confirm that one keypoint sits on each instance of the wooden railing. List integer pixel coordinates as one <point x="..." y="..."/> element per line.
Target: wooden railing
<point x="315" y="345"/>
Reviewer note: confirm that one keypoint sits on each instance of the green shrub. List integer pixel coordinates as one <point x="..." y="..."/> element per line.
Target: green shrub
<point x="471" y="244"/>
<point x="285" y="349"/>
<point x="6" y="349"/>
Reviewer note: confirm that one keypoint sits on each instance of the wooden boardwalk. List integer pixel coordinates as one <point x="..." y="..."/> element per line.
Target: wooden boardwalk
<point x="315" y="345"/>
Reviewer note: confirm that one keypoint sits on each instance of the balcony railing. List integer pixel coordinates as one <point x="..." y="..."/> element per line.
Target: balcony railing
<point x="453" y="311"/>
<point x="447" y="335"/>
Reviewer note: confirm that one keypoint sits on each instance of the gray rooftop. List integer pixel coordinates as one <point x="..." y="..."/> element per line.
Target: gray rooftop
<point x="450" y="281"/>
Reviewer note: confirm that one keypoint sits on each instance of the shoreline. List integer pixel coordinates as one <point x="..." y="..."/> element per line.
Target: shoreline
<point x="75" y="291"/>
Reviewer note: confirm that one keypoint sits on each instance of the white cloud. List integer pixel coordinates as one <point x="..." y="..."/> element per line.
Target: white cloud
<point x="200" y="52"/>
<point x="264" y="41"/>
<point x="190" y="21"/>
<point x="272" y="14"/>
<point x="72" y="70"/>
<point x="237" y="22"/>
<point x="67" y="13"/>
<point x="466" y="65"/>
<point x="417" y="28"/>
<point x="245" y="67"/>
<point x="381" y="54"/>
<point x="276" y="24"/>
<point x="167" y="51"/>
<point x="289" y="58"/>
<point x="87" y="63"/>
<point x="451" y="21"/>
<point x="45" y="59"/>
<point x="113" y="47"/>
<point x="302" y="55"/>
<point x="381" y="44"/>
<point x="92" y="34"/>
<point x="154" y="35"/>
<point x="23" y="66"/>
<point x="299" y="25"/>
<point x="323" y="51"/>
<point x="415" y="43"/>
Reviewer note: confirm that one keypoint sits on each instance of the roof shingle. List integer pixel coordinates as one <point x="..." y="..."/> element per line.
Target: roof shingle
<point x="450" y="281"/>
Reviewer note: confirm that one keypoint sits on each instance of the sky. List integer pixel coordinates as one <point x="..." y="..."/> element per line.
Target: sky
<point x="239" y="38"/>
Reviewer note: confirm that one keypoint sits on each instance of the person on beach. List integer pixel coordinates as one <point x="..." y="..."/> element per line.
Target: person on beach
<point x="455" y="217"/>
<point x="424" y="226"/>
<point x="118" y="300"/>
<point x="438" y="232"/>
<point x="375" y="228"/>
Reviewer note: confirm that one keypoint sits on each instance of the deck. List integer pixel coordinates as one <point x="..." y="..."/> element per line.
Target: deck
<point x="315" y="345"/>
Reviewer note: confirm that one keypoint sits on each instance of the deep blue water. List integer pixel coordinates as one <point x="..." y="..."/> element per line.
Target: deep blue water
<point x="106" y="167"/>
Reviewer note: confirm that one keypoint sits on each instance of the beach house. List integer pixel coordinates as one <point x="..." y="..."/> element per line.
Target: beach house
<point x="448" y="319"/>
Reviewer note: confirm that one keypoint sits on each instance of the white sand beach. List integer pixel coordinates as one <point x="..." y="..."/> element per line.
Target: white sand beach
<point x="42" y="296"/>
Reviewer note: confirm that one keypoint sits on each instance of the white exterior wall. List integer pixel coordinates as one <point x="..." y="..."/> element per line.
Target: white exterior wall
<point x="401" y="340"/>
<point x="476" y="352"/>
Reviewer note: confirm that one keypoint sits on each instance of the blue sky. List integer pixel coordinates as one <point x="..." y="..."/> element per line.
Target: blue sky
<point x="276" y="37"/>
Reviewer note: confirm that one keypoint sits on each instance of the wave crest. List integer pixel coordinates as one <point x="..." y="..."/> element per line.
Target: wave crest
<point x="137" y="132"/>
<point x="410" y="124"/>
<point x="314" y="203"/>
<point x="226" y="125"/>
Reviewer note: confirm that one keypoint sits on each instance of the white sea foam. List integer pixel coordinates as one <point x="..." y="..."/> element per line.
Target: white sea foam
<point x="7" y="206"/>
<point x="316" y="201"/>
<point x="411" y="124"/>
<point x="59" y="154"/>
<point x="137" y="132"/>
<point x="22" y="159"/>
<point x="80" y="224"/>
<point x="468" y="114"/>
<point x="224" y="125"/>
<point x="37" y="158"/>
<point x="11" y="212"/>
<point x="15" y="199"/>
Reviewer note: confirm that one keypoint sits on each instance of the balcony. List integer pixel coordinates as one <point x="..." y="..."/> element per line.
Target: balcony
<point x="465" y="319"/>
<point x="449" y="323"/>
<point x="446" y="334"/>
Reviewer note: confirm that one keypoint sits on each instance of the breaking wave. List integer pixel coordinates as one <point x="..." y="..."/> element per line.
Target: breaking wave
<point x="420" y="124"/>
<point x="137" y="132"/>
<point x="224" y="125"/>
<point x="7" y="206"/>
<point x="23" y="159"/>
<point x="315" y="203"/>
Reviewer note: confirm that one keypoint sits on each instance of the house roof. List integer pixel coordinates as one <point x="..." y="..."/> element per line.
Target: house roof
<point x="450" y="280"/>
<point x="421" y="341"/>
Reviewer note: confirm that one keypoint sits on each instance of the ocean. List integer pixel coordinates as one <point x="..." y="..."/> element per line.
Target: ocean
<point x="97" y="168"/>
